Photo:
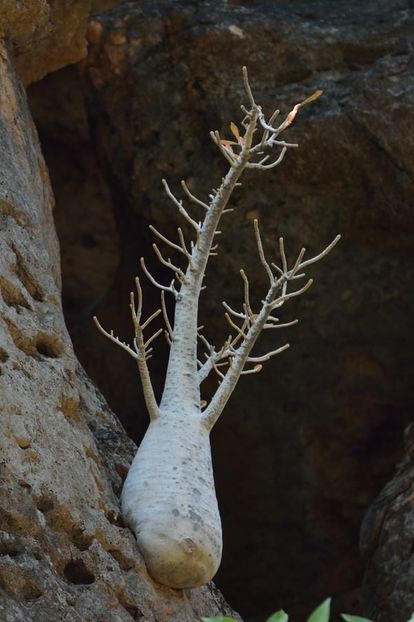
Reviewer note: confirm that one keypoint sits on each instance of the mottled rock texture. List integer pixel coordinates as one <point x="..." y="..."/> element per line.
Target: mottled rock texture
<point x="387" y="544"/>
<point x="303" y="448"/>
<point x="46" y="35"/>
<point x="64" y="552"/>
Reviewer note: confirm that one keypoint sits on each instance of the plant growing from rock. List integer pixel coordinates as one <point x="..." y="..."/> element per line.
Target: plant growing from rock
<point x="168" y="498"/>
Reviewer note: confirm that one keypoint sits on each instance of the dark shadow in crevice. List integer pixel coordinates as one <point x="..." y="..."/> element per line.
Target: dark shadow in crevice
<point x="296" y="453"/>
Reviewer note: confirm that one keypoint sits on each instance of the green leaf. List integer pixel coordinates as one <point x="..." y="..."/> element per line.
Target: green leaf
<point x="279" y="616"/>
<point x="219" y="619"/>
<point x="349" y="618"/>
<point x="321" y="613"/>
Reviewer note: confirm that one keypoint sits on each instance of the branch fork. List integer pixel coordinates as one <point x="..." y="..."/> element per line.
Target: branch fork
<point x="250" y="149"/>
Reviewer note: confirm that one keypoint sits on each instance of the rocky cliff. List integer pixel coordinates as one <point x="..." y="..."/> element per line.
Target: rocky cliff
<point x="64" y="552"/>
<point x="304" y="448"/>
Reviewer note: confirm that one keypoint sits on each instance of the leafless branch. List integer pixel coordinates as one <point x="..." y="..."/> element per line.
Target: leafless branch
<point x="216" y="138"/>
<point x="115" y="339"/>
<point x="266" y="167"/>
<point x="266" y="357"/>
<point x="248" y="88"/>
<point x="232" y="311"/>
<point x="154" y="336"/>
<point x="166" y="240"/>
<point x="284" y="325"/>
<point x="168" y="263"/>
<point x="165" y="316"/>
<point x="181" y="209"/>
<point x="183" y="244"/>
<point x="261" y="252"/>
<point x="246" y="293"/>
<point x="151" y="317"/>
<point x="238" y="329"/>
<point x="254" y="370"/>
<point x="170" y="288"/>
<point x="322" y="254"/>
<point x="283" y="255"/>
<point x="191" y="196"/>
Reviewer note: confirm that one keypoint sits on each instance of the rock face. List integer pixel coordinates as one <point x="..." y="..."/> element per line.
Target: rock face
<point x="45" y="35"/>
<point x="387" y="543"/>
<point x="64" y="552"/>
<point x="303" y="448"/>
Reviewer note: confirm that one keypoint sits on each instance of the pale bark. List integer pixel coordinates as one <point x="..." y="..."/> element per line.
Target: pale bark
<point x="168" y="497"/>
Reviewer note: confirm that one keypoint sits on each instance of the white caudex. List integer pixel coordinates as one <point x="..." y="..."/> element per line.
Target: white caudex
<point x="168" y="498"/>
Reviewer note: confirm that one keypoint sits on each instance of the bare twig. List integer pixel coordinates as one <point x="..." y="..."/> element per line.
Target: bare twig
<point x="170" y="288"/>
<point x="183" y="244"/>
<point x="191" y="196"/>
<point x="179" y="205"/>
<point x="151" y="317"/>
<point x="165" y="316"/>
<point x="322" y="254"/>
<point x="265" y="167"/>
<point x="254" y="370"/>
<point x="168" y="263"/>
<point x="261" y="252"/>
<point x="266" y="357"/>
<point x="246" y="293"/>
<point x="216" y="138"/>
<point x="114" y="339"/>
<point x="166" y="240"/>
<point x="248" y="88"/>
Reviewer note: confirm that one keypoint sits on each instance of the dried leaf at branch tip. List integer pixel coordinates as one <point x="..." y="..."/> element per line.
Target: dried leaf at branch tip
<point x="235" y="131"/>
<point x="292" y="114"/>
<point x="311" y="98"/>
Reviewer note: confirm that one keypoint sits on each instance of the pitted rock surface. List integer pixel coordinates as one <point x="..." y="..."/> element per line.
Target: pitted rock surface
<point x="64" y="551"/>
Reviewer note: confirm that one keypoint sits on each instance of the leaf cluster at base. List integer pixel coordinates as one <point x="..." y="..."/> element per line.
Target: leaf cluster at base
<point x="321" y="614"/>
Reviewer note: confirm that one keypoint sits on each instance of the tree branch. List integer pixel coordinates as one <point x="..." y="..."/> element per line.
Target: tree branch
<point x="166" y="288"/>
<point x="191" y="196"/>
<point x="179" y="205"/>
<point x="217" y="140"/>
<point x="166" y="240"/>
<point x="142" y="353"/>
<point x="185" y="371"/>
<point x="114" y="339"/>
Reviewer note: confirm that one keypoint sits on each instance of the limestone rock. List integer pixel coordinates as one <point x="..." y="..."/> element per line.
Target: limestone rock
<point x="64" y="552"/>
<point x="45" y="35"/>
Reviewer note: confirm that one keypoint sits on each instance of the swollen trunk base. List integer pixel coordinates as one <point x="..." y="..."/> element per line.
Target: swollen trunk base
<point x="169" y="502"/>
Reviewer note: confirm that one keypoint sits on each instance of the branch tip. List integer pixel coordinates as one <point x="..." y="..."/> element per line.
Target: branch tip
<point x="247" y="87"/>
